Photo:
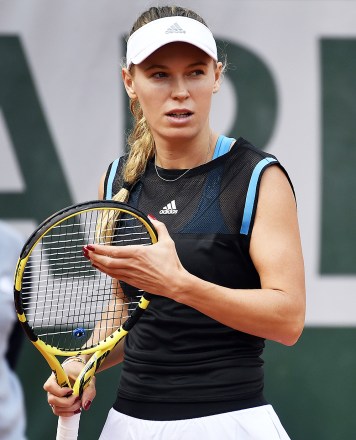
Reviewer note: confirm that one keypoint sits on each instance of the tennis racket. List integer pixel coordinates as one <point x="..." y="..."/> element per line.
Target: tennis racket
<point x="66" y="306"/>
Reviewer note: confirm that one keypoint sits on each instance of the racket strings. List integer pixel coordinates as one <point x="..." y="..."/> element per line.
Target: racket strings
<point x="69" y="304"/>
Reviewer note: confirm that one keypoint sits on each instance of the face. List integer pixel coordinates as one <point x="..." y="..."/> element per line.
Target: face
<point x="174" y="86"/>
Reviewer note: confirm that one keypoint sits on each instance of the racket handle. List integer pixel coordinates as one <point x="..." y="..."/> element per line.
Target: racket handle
<point x="68" y="427"/>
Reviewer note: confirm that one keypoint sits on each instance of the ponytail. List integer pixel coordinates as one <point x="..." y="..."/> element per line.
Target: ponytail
<point x="142" y="148"/>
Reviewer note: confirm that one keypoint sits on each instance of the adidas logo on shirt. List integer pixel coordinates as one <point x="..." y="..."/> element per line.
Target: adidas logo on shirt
<point x="171" y="208"/>
<point x="175" y="29"/>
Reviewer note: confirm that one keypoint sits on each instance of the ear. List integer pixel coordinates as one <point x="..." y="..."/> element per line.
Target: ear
<point x="128" y="83"/>
<point x="218" y="74"/>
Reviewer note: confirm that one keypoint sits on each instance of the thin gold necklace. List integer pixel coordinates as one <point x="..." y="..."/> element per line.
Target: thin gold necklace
<point x="185" y="172"/>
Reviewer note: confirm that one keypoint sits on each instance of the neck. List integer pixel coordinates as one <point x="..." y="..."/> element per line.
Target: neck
<point x="185" y="155"/>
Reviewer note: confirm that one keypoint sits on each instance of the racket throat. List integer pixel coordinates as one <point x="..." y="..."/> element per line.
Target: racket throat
<point x="88" y="372"/>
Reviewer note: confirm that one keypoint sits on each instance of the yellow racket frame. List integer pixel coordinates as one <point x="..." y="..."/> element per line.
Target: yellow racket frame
<point x="103" y="348"/>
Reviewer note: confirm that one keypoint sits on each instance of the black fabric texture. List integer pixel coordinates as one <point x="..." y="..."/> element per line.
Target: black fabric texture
<point x="175" y="354"/>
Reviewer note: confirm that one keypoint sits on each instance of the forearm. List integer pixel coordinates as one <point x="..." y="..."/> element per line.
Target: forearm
<point x="115" y="357"/>
<point x="268" y="313"/>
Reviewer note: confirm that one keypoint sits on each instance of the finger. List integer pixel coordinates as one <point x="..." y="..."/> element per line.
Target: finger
<point x="52" y="387"/>
<point x="68" y="406"/>
<point x="159" y="226"/>
<point x="114" y="267"/>
<point x="66" y="412"/>
<point x="90" y="251"/>
<point x="65" y="409"/>
<point x="89" y="395"/>
<point x="124" y="251"/>
<point x="59" y="396"/>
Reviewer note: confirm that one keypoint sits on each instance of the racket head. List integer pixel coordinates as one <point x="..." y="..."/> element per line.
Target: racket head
<point x="60" y="297"/>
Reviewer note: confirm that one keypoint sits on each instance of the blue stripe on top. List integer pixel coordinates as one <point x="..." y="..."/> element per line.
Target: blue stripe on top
<point x="108" y="195"/>
<point x="251" y="194"/>
<point x="223" y="145"/>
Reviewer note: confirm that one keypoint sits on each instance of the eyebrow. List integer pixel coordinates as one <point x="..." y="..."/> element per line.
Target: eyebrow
<point x="161" y="66"/>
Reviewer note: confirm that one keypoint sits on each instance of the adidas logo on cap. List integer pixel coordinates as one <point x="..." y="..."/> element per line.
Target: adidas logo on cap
<point x="175" y="29"/>
<point x="171" y="208"/>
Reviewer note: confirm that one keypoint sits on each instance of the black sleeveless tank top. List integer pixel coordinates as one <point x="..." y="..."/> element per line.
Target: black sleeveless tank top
<point x="178" y="362"/>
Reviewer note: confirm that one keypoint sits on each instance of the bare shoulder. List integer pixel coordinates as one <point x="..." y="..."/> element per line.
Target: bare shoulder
<point x="276" y="197"/>
<point x="275" y="184"/>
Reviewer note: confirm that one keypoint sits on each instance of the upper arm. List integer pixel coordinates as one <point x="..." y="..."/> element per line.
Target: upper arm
<point x="275" y="246"/>
<point x="101" y="187"/>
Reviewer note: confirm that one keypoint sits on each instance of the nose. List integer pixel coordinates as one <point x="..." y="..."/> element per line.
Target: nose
<point x="179" y="89"/>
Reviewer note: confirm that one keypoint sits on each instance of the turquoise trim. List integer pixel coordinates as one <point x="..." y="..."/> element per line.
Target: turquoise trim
<point x="251" y="194"/>
<point x="115" y="164"/>
<point x="217" y="147"/>
<point x="223" y="145"/>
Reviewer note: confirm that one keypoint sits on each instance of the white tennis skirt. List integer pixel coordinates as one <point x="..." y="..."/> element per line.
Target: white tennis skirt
<point x="260" y="423"/>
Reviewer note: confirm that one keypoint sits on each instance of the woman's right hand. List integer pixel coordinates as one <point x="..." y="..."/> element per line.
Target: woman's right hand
<point x="61" y="400"/>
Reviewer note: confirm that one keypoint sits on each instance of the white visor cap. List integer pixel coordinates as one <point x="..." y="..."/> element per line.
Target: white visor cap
<point x="150" y="37"/>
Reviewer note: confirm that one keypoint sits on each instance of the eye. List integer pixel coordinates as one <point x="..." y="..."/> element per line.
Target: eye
<point x="159" y="75"/>
<point x="197" y="72"/>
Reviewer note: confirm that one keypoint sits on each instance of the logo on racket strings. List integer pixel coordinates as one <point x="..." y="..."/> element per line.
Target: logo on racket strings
<point x="79" y="333"/>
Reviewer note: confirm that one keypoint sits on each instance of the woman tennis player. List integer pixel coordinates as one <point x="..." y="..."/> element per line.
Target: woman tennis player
<point x="227" y="271"/>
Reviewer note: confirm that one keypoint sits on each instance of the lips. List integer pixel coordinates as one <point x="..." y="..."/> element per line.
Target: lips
<point x="180" y="114"/>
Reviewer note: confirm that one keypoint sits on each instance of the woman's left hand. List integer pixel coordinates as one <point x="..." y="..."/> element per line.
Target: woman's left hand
<point x="155" y="269"/>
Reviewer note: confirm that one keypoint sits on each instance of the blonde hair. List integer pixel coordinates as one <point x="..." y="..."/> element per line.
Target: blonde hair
<point x="140" y="141"/>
